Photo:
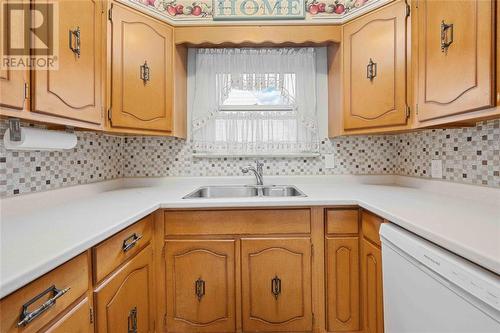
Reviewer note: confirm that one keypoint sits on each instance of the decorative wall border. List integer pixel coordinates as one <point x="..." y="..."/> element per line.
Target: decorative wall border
<point x="200" y="12"/>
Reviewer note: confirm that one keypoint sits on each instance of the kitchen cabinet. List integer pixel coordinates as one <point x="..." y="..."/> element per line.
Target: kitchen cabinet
<point x="77" y="320"/>
<point x="456" y="47"/>
<point x="276" y="285"/>
<point x="342" y="270"/>
<point x="371" y="274"/>
<point x="74" y="90"/>
<point x="374" y="70"/>
<point x="124" y="302"/>
<point x="200" y="285"/>
<point x="13" y="83"/>
<point x="141" y="71"/>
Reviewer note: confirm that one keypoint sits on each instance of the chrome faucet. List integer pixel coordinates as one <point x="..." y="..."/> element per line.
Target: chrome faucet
<point x="257" y="171"/>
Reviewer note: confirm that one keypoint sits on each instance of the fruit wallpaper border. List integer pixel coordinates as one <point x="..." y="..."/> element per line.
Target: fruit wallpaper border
<point x="200" y="11"/>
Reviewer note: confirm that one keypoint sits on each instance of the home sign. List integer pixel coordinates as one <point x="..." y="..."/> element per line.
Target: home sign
<point x="237" y="10"/>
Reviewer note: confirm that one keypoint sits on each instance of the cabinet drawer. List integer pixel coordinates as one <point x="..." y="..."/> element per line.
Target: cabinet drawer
<point x="76" y="320"/>
<point x="227" y="222"/>
<point x="116" y="250"/>
<point x="342" y="221"/>
<point x="371" y="226"/>
<point x="73" y="275"/>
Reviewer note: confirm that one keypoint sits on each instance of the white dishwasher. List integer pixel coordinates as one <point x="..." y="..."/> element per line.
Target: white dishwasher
<point x="429" y="289"/>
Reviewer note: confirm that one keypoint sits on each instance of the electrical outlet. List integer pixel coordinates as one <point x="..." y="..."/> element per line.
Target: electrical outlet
<point x="329" y="161"/>
<point x="437" y="169"/>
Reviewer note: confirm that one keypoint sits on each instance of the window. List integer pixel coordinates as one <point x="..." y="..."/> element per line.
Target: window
<point x="255" y="102"/>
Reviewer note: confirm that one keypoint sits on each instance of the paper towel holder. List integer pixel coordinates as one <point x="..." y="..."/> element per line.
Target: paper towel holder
<point x="15" y="129"/>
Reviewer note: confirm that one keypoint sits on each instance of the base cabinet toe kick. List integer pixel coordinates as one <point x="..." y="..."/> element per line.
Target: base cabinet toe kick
<point x="305" y="269"/>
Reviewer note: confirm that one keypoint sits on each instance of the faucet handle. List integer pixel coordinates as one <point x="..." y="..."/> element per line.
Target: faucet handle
<point x="259" y="164"/>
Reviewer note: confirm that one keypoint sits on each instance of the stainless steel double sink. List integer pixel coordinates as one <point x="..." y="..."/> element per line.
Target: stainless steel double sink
<point x="245" y="191"/>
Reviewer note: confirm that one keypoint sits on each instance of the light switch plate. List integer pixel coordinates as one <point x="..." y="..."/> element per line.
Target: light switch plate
<point x="329" y="161"/>
<point x="437" y="169"/>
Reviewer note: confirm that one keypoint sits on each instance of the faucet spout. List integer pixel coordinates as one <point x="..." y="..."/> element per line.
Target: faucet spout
<point x="257" y="171"/>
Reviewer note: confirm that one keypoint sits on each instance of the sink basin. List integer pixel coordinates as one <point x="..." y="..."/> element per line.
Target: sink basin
<point x="245" y="191"/>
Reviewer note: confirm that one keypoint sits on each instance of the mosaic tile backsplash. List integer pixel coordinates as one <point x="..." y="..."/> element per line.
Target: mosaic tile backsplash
<point x="469" y="155"/>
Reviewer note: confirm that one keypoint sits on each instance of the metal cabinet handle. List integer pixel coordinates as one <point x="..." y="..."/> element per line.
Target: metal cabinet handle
<point x="130" y="242"/>
<point x="371" y="70"/>
<point x="132" y="320"/>
<point x="199" y="288"/>
<point x="27" y="317"/>
<point x="76" y="48"/>
<point x="445" y="42"/>
<point x="276" y="286"/>
<point x="145" y="72"/>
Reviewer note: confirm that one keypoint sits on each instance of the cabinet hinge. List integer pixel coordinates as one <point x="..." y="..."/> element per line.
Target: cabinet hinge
<point x="91" y="314"/>
<point x="408" y="10"/>
<point x="110" y="13"/>
<point x="109" y="115"/>
<point x="26" y="90"/>
<point x="313" y="319"/>
<point x="163" y="250"/>
<point x="408" y="111"/>
<point x="164" y="320"/>
<point x="416" y="109"/>
<point x="312" y="250"/>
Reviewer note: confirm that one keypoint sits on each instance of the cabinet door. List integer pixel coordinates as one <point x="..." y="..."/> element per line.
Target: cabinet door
<point x="200" y="286"/>
<point x="77" y="320"/>
<point x="276" y="285"/>
<point x="371" y="280"/>
<point x="342" y="282"/>
<point x="124" y="302"/>
<point x="455" y="50"/>
<point x="375" y="69"/>
<point x="141" y="74"/>
<point x="12" y="82"/>
<point x="74" y="89"/>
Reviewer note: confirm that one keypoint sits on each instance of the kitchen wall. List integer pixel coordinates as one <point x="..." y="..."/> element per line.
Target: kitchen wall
<point x="469" y="155"/>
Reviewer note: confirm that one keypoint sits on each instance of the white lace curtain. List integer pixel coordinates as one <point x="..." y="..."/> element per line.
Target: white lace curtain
<point x="265" y="130"/>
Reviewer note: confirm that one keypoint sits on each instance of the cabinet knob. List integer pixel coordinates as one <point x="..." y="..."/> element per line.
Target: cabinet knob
<point x="276" y="287"/>
<point x="371" y="70"/>
<point x="199" y="288"/>
<point x="145" y="72"/>
<point x="75" y="46"/>
<point x="132" y="320"/>
<point x="446" y="30"/>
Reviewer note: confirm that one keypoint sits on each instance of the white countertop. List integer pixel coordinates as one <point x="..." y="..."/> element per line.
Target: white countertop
<point x="40" y="231"/>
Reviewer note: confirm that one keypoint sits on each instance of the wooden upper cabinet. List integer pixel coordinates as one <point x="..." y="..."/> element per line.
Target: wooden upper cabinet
<point x="276" y="285"/>
<point x="141" y="71"/>
<point x="200" y="286"/>
<point x="455" y="57"/>
<point x="374" y="69"/>
<point x="124" y="302"/>
<point x="74" y="89"/>
<point x="13" y="93"/>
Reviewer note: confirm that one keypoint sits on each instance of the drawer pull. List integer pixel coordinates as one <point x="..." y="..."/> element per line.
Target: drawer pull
<point x="199" y="288"/>
<point x="145" y="72"/>
<point x="27" y="317"/>
<point x="276" y="286"/>
<point x="130" y="242"/>
<point x="132" y="320"/>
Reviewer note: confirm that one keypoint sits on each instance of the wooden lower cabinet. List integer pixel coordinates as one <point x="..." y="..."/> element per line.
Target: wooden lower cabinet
<point x="124" y="301"/>
<point x="342" y="284"/>
<point x="371" y="281"/>
<point x="276" y="285"/>
<point x="77" y="320"/>
<point x="200" y="285"/>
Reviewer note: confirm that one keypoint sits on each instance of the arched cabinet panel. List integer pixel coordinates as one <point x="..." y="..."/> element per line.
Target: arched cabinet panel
<point x="276" y="285"/>
<point x="200" y="286"/>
